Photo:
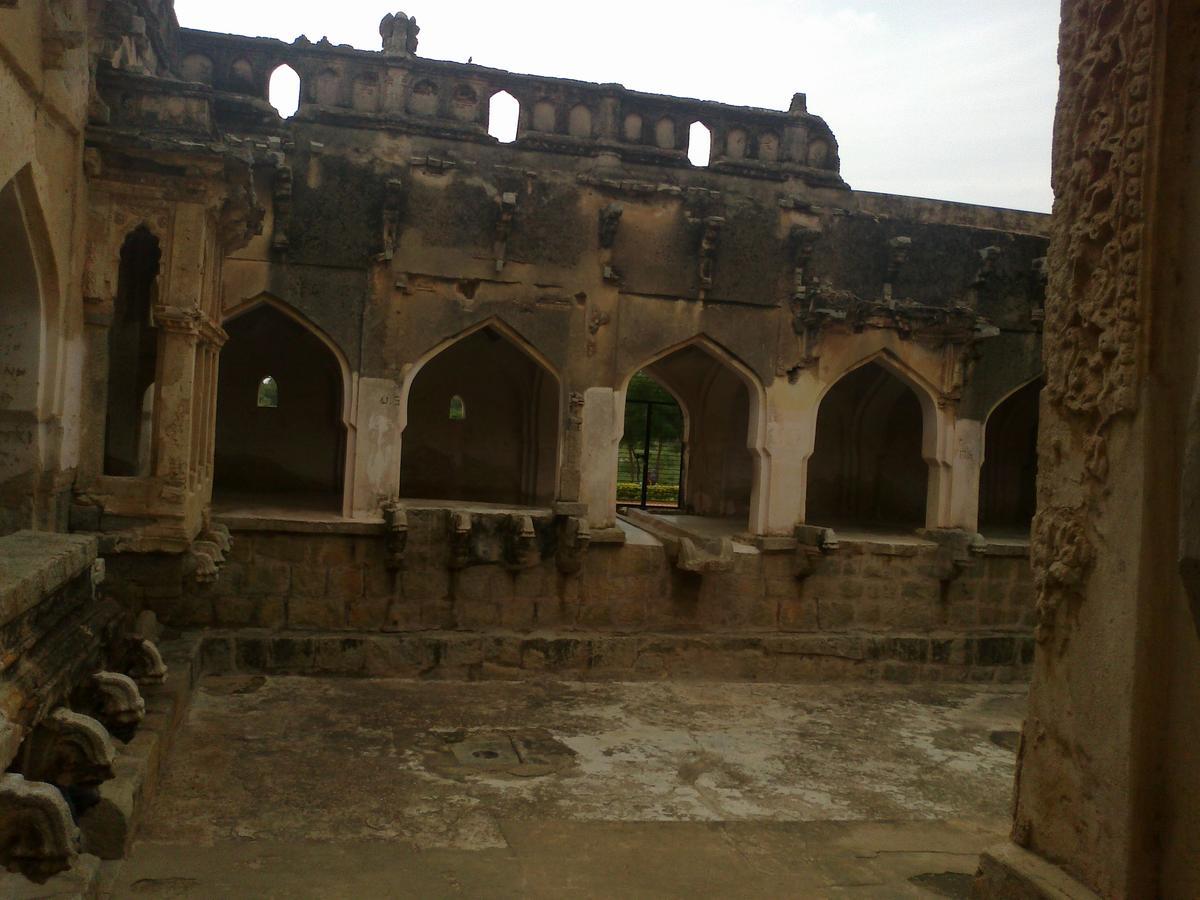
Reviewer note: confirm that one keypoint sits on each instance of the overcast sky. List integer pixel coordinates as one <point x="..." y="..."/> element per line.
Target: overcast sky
<point x="933" y="98"/>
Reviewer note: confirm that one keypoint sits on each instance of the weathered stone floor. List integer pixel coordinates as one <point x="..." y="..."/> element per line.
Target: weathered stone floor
<point x="313" y="787"/>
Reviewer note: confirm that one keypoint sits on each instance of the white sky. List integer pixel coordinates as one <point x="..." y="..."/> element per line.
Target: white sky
<point x="950" y="99"/>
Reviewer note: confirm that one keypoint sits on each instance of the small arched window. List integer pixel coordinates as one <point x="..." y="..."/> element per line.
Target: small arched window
<point x="699" y="144"/>
<point x="283" y="91"/>
<point x="268" y="393"/>
<point x="503" y="112"/>
<point x="458" y="409"/>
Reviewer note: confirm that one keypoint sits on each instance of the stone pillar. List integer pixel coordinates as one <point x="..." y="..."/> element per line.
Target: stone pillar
<point x="174" y="393"/>
<point x="600" y="435"/>
<point x="965" y="467"/>
<point x="1108" y="784"/>
<point x="938" y="449"/>
<point x="570" y="457"/>
<point x="379" y="419"/>
<point x="781" y="486"/>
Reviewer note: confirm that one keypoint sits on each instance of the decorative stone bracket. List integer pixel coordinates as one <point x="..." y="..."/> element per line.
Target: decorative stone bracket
<point x="143" y="662"/>
<point x="812" y="544"/>
<point x="953" y="555"/>
<point x="521" y="549"/>
<point x="38" y="837"/>
<point x="574" y="537"/>
<point x="395" y="521"/>
<point x="114" y="699"/>
<point x="70" y="750"/>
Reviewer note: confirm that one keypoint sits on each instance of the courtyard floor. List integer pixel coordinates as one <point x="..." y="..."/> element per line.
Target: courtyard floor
<point x="314" y="787"/>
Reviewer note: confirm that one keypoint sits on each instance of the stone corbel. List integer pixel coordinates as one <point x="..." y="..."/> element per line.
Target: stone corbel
<point x="115" y="700"/>
<point x="813" y="543"/>
<point x="460" y="540"/>
<point x="522" y="551"/>
<point x="898" y="248"/>
<point x="504" y="224"/>
<point x="69" y="750"/>
<point x="217" y="534"/>
<point x="143" y="662"/>
<point x="38" y="836"/>
<point x="201" y="561"/>
<point x="395" y="521"/>
<point x="574" y="537"/>
<point x="953" y="556"/>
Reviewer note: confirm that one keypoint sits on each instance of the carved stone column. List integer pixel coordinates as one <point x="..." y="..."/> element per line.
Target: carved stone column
<point x="175" y="398"/>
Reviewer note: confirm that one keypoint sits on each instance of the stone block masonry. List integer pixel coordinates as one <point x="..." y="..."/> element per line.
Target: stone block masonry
<point x="327" y="602"/>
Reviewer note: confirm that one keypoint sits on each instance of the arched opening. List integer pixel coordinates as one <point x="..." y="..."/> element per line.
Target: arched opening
<point x="20" y="349"/>
<point x="699" y="144"/>
<point x="504" y="446"/>
<point x="1008" y="478"/>
<point x="867" y="467"/>
<point x="714" y="402"/>
<point x="280" y="436"/>
<point x="503" y="113"/>
<point x="651" y="454"/>
<point x="132" y="359"/>
<point x="284" y="91"/>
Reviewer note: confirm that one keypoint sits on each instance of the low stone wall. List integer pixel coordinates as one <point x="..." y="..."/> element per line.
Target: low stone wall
<point x="855" y="610"/>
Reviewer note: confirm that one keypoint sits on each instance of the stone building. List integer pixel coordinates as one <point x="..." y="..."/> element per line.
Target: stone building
<point x="347" y="391"/>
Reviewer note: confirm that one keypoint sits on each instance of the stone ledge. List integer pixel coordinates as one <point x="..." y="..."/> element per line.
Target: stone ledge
<point x="35" y="564"/>
<point x="285" y="525"/>
<point x="615" y="656"/>
<point x="1009" y="872"/>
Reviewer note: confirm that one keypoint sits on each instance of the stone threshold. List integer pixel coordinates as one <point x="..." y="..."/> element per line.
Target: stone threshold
<point x="779" y="657"/>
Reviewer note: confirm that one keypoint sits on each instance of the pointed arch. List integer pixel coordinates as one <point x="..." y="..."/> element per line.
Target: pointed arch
<point x="299" y="452"/>
<point x="498" y="452"/>
<point x="756" y="432"/>
<point x="285" y="308"/>
<point x="30" y="332"/>
<point x="1008" y="467"/>
<point x="869" y="465"/>
<point x="719" y="481"/>
<point x="933" y="435"/>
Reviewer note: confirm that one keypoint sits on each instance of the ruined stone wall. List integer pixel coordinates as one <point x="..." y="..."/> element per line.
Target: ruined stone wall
<point x="396" y="227"/>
